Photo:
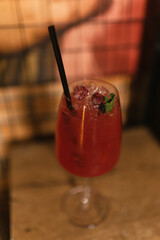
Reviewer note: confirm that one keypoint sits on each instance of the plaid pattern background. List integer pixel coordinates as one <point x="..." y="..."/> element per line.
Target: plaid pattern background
<point x="107" y="45"/>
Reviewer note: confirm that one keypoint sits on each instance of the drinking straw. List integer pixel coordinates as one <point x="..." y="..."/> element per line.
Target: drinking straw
<point x="55" y="45"/>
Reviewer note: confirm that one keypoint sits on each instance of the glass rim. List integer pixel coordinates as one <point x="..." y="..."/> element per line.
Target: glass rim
<point x="86" y="79"/>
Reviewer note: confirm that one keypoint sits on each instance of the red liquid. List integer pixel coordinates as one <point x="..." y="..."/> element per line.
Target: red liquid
<point x="87" y="143"/>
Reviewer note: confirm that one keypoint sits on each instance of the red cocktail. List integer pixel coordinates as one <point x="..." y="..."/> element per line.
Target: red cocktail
<point x="88" y="137"/>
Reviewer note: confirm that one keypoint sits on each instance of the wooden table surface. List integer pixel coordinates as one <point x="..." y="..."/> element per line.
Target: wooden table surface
<point x="132" y="190"/>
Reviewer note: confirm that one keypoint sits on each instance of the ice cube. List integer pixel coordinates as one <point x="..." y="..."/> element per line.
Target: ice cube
<point x="102" y="90"/>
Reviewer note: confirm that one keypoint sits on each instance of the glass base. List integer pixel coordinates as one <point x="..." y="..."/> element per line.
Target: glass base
<point x="84" y="206"/>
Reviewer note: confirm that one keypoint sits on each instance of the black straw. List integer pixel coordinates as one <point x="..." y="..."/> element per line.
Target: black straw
<point x="53" y="36"/>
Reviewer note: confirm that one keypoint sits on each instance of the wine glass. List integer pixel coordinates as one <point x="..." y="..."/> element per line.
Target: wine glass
<point x="88" y="140"/>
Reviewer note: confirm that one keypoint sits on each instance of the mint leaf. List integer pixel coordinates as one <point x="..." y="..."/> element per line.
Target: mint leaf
<point x="112" y="95"/>
<point x="109" y="102"/>
<point x="106" y="99"/>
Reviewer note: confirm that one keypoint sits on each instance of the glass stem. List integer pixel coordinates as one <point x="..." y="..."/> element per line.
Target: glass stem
<point x="87" y="193"/>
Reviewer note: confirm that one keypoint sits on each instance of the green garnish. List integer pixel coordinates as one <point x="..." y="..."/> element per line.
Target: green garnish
<point x="109" y="102"/>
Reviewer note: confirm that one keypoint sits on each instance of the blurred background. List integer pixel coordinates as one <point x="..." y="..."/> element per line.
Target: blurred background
<point x="114" y="40"/>
<point x="118" y="41"/>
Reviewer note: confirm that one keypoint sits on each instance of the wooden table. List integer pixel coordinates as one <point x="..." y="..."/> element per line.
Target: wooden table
<point x="132" y="189"/>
